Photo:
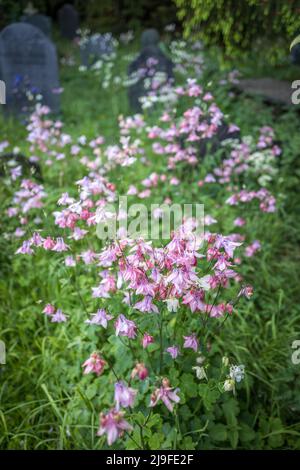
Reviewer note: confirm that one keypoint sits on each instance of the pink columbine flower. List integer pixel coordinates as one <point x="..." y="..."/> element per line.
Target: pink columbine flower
<point x="58" y="317"/>
<point x="194" y="298"/>
<point x="166" y="394"/>
<point x="146" y="305"/>
<point x="99" y="318"/>
<point x="25" y="248"/>
<point x="147" y="339"/>
<point x="36" y="239"/>
<point x="140" y="370"/>
<point x="70" y="261"/>
<point x="191" y="342"/>
<point x="173" y="351"/>
<point x="125" y="327"/>
<point x="239" y="222"/>
<point x="113" y="424"/>
<point x="60" y="245"/>
<point x="94" y="364"/>
<point x="19" y="232"/>
<point x="49" y="309"/>
<point x="124" y="396"/>
<point x="48" y="243"/>
<point x="246" y="291"/>
<point x="252" y="248"/>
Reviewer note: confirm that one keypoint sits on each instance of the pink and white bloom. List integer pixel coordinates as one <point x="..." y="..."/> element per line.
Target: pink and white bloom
<point x="140" y="370"/>
<point x="125" y="327"/>
<point x="113" y="425"/>
<point x="166" y="394"/>
<point x="173" y="351"/>
<point x="60" y="245"/>
<point x="100" y="318"/>
<point x="95" y="364"/>
<point x="58" y="317"/>
<point x="25" y="248"/>
<point x="49" y="309"/>
<point x="191" y="342"/>
<point x="124" y="396"/>
<point x="147" y="339"/>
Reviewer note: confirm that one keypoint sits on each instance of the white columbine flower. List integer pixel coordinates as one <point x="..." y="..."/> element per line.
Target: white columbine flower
<point x="172" y="304"/>
<point x="200" y="372"/>
<point x="229" y="385"/>
<point x="237" y="373"/>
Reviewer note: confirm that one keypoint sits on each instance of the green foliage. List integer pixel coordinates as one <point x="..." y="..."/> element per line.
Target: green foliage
<point x="240" y="26"/>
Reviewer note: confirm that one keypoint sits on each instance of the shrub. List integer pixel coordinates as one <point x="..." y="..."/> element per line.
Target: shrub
<point x="237" y="26"/>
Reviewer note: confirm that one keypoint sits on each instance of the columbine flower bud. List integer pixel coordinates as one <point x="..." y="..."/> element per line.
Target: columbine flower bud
<point x="225" y="361"/>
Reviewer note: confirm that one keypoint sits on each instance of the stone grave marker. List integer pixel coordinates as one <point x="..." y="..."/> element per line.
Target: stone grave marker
<point x="68" y="19"/>
<point x="40" y="21"/>
<point x="28" y="67"/>
<point x="150" y="62"/>
<point x="270" y="89"/>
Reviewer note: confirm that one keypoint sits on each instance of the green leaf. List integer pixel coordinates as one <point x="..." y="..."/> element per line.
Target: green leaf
<point x="209" y="395"/>
<point x="155" y="441"/>
<point x="218" y="432"/>
<point x="188" y="385"/>
<point x="91" y="391"/>
<point x="246" y="434"/>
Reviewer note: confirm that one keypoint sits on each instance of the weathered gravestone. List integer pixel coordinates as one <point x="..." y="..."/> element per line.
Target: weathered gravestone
<point x="150" y="37"/>
<point x="212" y="145"/>
<point x="28" y="66"/>
<point x="94" y="47"/>
<point x="144" y="70"/>
<point x="270" y="89"/>
<point x="40" y="21"/>
<point x="68" y="19"/>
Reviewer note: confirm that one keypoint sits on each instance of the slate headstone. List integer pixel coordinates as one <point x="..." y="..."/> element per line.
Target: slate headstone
<point x="28" y="64"/>
<point x="210" y="146"/>
<point x="40" y="21"/>
<point x="270" y="89"/>
<point x="150" y="37"/>
<point x="68" y="19"/>
<point x="94" y="47"/>
<point x="150" y="62"/>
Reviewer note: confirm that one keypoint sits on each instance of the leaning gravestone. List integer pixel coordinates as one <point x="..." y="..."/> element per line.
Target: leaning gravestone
<point x="270" y="89"/>
<point x="94" y="47"/>
<point x="68" y="19"/>
<point x="150" y="63"/>
<point x="28" y="66"/>
<point x="42" y="22"/>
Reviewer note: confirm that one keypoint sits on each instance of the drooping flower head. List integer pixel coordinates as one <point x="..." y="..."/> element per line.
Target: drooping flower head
<point x="94" y="364"/>
<point x="166" y="394"/>
<point x="125" y="327"/>
<point x="113" y="425"/>
<point x="124" y="396"/>
<point x="191" y="342"/>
